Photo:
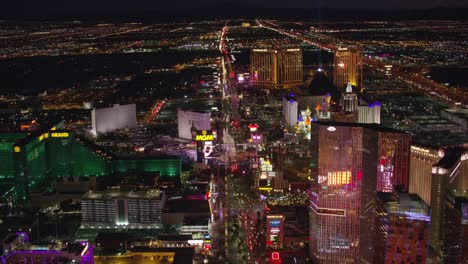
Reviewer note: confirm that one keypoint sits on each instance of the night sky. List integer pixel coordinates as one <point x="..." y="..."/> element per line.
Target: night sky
<point x="367" y="4"/>
<point x="45" y="8"/>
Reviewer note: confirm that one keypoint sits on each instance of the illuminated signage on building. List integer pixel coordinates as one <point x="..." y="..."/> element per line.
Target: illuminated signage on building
<point x="59" y="135"/>
<point x="266" y="168"/>
<point x="328" y="211"/>
<point x="275" y="223"/>
<point x="420" y="149"/>
<point x="465" y="213"/>
<point x="204" y="135"/>
<point x="253" y="127"/>
<point x="274" y="216"/>
<point x="339" y="177"/>
<point x="275" y="256"/>
<point x="275" y="230"/>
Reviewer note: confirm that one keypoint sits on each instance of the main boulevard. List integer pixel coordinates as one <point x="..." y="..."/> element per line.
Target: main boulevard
<point x="236" y="209"/>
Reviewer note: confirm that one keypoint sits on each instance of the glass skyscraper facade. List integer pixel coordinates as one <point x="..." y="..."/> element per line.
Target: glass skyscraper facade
<point x="280" y="67"/>
<point x="401" y="229"/>
<point x="345" y="176"/>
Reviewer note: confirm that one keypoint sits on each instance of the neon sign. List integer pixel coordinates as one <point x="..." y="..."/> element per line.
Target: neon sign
<point x="204" y="135"/>
<point x="59" y="134"/>
<point x="275" y="256"/>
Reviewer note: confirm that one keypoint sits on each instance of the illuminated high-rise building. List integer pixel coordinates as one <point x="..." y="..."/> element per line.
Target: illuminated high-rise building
<point x="401" y="232"/>
<point x="393" y="160"/>
<point x="115" y="209"/>
<point x="192" y="120"/>
<point x="369" y="113"/>
<point x="31" y="160"/>
<point x="105" y="120"/>
<point x="276" y="67"/>
<point x="290" y="113"/>
<point x="349" y="100"/>
<point x="435" y="175"/>
<point x="348" y="67"/>
<point x="350" y="163"/>
<point x="456" y="229"/>
<point x="449" y="175"/>
<point x="421" y="160"/>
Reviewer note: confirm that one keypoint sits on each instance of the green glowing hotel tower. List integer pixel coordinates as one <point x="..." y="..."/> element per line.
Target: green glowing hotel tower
<point x="30" y="160"/>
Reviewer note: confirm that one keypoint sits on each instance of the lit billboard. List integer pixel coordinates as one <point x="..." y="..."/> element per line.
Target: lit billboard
<point x="204" y="135"/>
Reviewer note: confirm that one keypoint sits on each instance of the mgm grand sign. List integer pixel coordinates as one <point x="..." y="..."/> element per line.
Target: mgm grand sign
<point x="204" y="135"/>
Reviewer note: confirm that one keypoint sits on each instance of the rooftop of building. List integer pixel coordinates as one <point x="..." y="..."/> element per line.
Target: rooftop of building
<point x="20" y="220"/>
<point x="107" y="195"/>
<point x="373" y="126"/>
<point x="430" y="120"/>
<point x="438" y="139"/>
<point x="187" y="206"/>
<point x="119" y="236"/>
<point x="146" y="157"/>
<point x="289" y="48"/>
<point x="174" y="237"/>
<point x="7" y="140"/>
<point x="12" y="137"/>
<point x="370" y="104"/>
<point x="459" y="197"/>
<point x="10" y="238"/>
<point x="386" y="197"/>
<point x="450" y="158"/>
<point x="183" y="255"/>
<point x="460" y="112"/>
<point x="113" y="106"/>
<point x="291" y="97"/>
<point x="196" y="220"/>
<point x="24" y="138"/>
<point x="195" y="109"/>
<point x="407" y="202"/>
<point x="73" y="248"/>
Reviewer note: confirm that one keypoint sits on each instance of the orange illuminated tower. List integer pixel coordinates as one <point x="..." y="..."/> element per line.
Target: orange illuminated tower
<point x="348" y="67"/>
<point x="280" y="68"/>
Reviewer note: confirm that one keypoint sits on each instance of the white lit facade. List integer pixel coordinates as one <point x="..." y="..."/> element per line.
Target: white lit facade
<point x="368" y="114"/>
<point x="290" y="113"/>
<point x="109" y="119"/>
<point x="349" y="100"/>
<point x="114" y="209"/>
<point x="191" y="120"/>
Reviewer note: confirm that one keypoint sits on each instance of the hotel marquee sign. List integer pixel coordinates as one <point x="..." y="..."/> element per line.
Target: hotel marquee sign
<point x="59" y="134"/>
<point x="204" y="135"/>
